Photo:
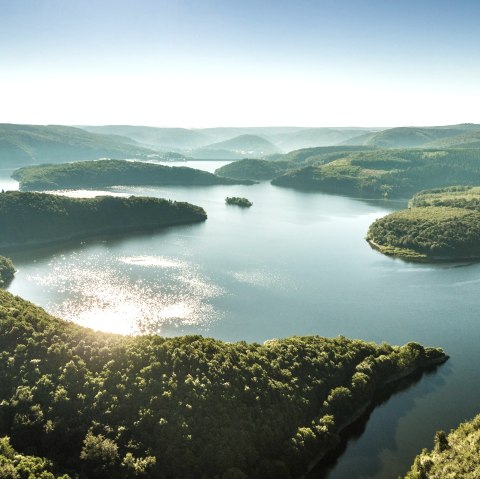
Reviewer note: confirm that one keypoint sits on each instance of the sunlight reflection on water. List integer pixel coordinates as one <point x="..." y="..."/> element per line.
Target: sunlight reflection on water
<point x="125" y="301"/>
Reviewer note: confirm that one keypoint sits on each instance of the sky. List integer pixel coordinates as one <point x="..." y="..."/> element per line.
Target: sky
<point x="206" y="63"/>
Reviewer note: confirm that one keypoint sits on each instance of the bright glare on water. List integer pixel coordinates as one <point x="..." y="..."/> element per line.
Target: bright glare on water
<point x="292" y="264"/>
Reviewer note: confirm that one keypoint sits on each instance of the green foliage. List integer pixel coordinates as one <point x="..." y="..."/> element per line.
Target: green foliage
<point x="104" y="173"/>
<point x="236" y="200"/>
<point x="28" y="218"/>
<point x="29" y="144"/>
<point x="454" y="196"/>
<point x="7" y="271"/>
<point x="434" y="232"/>
<point x="254" y="169"/>
<point x="276" y="165"/>
<point x="17" y="466"/>
<point x="387" y="173"/>
<point x="103" y="405"/>
<point x="441" y="223"/>
<point x="456" y="455"/>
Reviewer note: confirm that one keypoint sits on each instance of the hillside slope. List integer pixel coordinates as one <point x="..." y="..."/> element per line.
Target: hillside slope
<point x="30" y="144"/>
<point x="102" y="405"/>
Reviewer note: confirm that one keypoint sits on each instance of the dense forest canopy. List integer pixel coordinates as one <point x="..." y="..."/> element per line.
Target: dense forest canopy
<point x="104" y="173"/>
<point x="456" y="455"/>
<point x="101" y="405"/>
<point x="254" y="169"/>
<point x="239" y="201"/>
<point x="7" y="271"/>
<point x="454" y="196"/>
<point x="441" y="223"/>
<point x="387" y="173"/>
<point x="31" y="218"/>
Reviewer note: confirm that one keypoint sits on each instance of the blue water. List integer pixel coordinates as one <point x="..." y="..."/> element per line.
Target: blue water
<point x="293" y="264"/>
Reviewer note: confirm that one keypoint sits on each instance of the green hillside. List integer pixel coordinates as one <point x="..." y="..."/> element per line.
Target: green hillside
<point x="314" y="137"/>
<point x="454" y="196"/>
<point x="442" y="223"/>
<point x="386" y="173"/>
<point x="254" y="169"/>
<point x="176" y="139"/>
<point x="424" y="137"/>
<point x="464" y="140"/>
<point x="244" y="145"/>
<point x="455" y="456"/>
<point x="105" y="173"/>
<point x="40" y="218"/>
<point x="276" y="165"/>
<point x="29" y="144"/>
<point x="102" y="405"/>
<point x="429" y="233"/>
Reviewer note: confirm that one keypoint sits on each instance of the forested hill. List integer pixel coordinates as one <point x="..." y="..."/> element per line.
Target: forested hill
<point x="28" y="144"/>
<point x="453" y="456"/>
<point x="442" y="223"/>
<point x="104" y="173"/>
<point x="102" y="405"/>
<point x="39" y="218"/>
<point x="387" y="173"/>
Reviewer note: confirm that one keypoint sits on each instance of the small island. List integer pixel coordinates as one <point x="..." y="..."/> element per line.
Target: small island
<point x="107" y="405"/>
<point x="454" y="455"/>
<point x="236" y="200"/>
<point x="441" y="224"/>
<point x="106" y="173"/>
<point x="30" y="219"/>
<point x="7" y="271"/>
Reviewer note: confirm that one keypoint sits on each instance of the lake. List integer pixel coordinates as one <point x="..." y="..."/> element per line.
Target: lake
<point x="293" y="264"/>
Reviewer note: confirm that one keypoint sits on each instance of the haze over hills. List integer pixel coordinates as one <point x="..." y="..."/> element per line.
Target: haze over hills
<point x="242" y="145"/>
<point x="33" y="144"/>
<point x="190" y="141"/>
<point x="176" y="139"/>
<point x="455" y="136"/>
<point x="29" y="144"/>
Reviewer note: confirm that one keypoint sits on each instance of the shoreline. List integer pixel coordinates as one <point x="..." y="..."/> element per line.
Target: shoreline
<point x="358" y="413"/>
<point x="417" y="257"/>
<point x="98" y="233"/>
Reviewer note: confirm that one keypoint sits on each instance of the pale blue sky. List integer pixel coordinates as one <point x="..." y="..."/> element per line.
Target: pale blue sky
<point x="224" y="63"/>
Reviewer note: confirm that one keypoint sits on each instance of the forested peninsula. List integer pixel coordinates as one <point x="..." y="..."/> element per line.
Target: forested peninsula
<point x="100" y="405"/>
<point x="105" y="173"/>
<point x="40" y="218"/>
<point x="456" y="455"/>
<point x="386" y="173"/>
<point x="440" y="224"/>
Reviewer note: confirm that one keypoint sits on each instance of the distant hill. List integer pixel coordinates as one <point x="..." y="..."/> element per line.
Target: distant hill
<point x="314" y="137"/>
<point x="243" y="145"/>
<point x="469" y="139"/>
<point x="420" y="137"/>
<point x="184" y="140"/>
<point x="29" y="144"/>
<point x="385" y="173"/>
<point x="176" y="139"/>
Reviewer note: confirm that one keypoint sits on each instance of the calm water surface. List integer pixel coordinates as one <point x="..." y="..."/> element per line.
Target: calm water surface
<point x="293" y="264"/>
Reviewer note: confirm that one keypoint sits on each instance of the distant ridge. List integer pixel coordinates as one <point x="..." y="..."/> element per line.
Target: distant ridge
<point x="243" y="145"/>
<point x="29" y="144"/>
<point x="421" y="137"/>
